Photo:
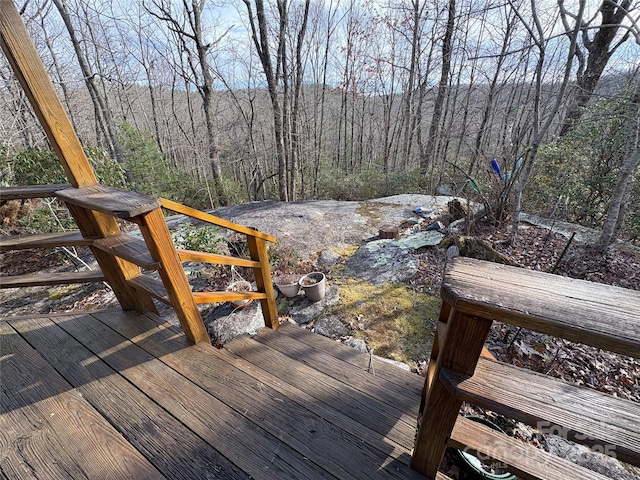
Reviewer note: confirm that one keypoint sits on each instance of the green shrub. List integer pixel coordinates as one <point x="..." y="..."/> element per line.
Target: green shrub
<point x="153" y="174"/>
<point x="108" y="171"/>
<point x="37" y="166"/>
<point x="582" y="168"/>
<point x="34" y="166"/>
<point x="207" y="238"/>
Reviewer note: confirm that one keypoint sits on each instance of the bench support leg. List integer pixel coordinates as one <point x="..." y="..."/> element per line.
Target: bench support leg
<point x="158" y="238"/>
<point x="259" y="253"/>
<point x="463" y="342"/>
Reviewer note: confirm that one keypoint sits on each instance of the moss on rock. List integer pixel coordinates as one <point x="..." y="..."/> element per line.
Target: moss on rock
<point x="396" y="322"/>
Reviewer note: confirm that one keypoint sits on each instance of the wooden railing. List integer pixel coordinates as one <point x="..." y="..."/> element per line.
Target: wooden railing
<point x="474" y="294"/>
<point x="259" y="262"/>
<point x="125" y="257"/>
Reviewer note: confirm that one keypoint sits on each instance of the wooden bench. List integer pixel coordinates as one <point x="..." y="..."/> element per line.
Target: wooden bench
<point x="157" y="252"/>
<point x="474" y="294"/>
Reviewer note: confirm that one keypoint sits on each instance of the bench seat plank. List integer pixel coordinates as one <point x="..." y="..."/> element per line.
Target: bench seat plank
<point x="599" y="315"/>
<point x="43" y="240"/>
<point x="63" y="278"/>
<point x="109" y="200"/>
<point x="580" y="414"/>
<point x="24" y="192"/>
<point x="525" y="461"/>
<point x="128" y="247"/>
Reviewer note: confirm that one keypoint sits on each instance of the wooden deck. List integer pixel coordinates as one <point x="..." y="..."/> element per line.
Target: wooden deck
<point x="115" y="394"/>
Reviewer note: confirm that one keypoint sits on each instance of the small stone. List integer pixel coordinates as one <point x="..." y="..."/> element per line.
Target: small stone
<point x="328" y="257"/>
<point x="452" y="251"/>
<point x="457" y="226"/>
<point x="437" y="226"/>
<point x="356" y="343"/>
<point x="444" y="191"/>
<point x="330" y="327"/>
<point x="422" y="239"/>
<point x="302" y="311"/>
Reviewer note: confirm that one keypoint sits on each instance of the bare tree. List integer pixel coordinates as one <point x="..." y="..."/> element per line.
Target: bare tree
<point x="418" y="11"/>
<point x="541" y="127"/>
<point x="260" y="36"/>
<point x="299" y="67"/>
<point x="599" y="50"/>
<point x="103" y="115"/>
<point x="188" y="29"/>
<point x="502" y="57"/>
<point x="426" y="155"/>
<point x="320" y="94"/>
<point x="286" y="103"/>
<point x="622" y="190"/>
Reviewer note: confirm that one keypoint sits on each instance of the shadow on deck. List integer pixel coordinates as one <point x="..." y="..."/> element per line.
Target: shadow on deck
<point x="115" y="394"/>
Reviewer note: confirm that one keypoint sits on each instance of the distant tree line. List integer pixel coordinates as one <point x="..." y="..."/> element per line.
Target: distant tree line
<point x="230" y="101"/>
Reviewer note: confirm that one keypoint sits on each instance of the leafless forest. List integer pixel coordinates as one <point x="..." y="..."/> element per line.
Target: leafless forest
<point x="230" y="101"/>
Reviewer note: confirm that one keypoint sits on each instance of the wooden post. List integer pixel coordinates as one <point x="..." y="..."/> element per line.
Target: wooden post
<point x="463" y="342"/>
<point x="158" y="238"/>
<point x="438" y="343"/>
<point x="258" y="250"/>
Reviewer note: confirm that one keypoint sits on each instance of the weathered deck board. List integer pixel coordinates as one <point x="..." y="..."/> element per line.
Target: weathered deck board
<point x="384" y="419"/>
<point x="333" y="449"/>
<point x="341" y="371"/>
<point x="346" y="423"/>
<point x="174" y="449"/>
<point x="53" y="431"/>
<point x="259" y="454"/>
<point x="186" y="411"/>
<point x="409" y="381"/>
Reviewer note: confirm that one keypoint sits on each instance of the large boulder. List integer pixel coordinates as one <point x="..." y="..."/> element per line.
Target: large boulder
<point x="386" y="261"/>
<point x="226" y="322"/>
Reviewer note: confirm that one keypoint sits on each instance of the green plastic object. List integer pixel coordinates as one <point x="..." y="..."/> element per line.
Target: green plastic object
<point x="478" y="467"/>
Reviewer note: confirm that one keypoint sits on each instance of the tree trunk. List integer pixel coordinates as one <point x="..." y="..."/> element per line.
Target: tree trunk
<point x="615" y="211"/>
<point x="103" y="115"/>
<point x="295" y="114"/>
<point x="189" y="34"/>
<point x="409" y="123"/>
<point x="613" y="14"/>
<point x="442" y="90"/>
<point x="261" y="42"/>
